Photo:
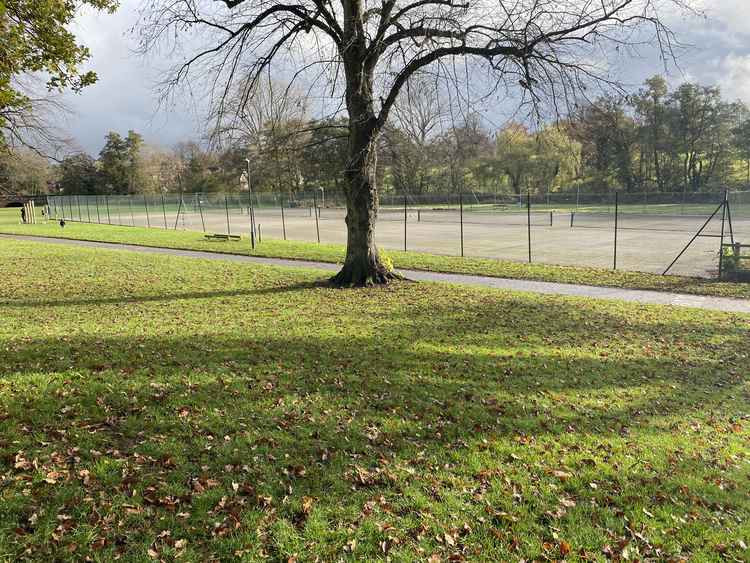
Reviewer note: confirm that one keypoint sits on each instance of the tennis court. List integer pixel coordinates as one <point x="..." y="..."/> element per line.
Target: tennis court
<point x="647" y="240"/>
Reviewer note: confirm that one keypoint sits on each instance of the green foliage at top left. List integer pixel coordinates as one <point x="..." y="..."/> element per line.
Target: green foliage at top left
<point x="34" y="39"/>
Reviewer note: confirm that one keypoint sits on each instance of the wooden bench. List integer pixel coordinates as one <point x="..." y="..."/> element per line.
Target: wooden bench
<point x="216" y="236"/>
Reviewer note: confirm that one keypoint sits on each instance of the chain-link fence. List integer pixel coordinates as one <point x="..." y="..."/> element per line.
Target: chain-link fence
<point x="629" y="231"/>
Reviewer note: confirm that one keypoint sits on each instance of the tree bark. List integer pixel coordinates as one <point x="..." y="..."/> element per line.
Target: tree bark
<point x="362" y="265"/>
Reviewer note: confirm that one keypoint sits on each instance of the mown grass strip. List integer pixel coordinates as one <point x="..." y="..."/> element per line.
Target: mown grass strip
<point x="297" y="250"/>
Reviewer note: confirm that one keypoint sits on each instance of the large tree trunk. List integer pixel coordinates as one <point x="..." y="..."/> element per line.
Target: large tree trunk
<point x="362" y="265"/>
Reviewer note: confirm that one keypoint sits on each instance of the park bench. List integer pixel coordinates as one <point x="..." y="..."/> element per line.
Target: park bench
<point x="218" y="236"/>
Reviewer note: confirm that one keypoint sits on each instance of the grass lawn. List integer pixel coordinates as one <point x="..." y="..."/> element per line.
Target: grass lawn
<point x="158" y="407"/>
<point x="9" y="223"/>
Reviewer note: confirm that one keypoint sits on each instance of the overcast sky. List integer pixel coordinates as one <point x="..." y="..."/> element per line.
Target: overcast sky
<point x="124" y="96"/>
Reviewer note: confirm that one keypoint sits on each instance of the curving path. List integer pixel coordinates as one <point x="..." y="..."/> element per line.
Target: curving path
<point x="711" y="303"/>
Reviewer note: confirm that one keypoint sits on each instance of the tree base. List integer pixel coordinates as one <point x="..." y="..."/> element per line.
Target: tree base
<point x="359" y="274"/>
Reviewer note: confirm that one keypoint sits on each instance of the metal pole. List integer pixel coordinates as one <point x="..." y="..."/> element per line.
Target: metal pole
<point x="283" y="222"/>
<point x="721" y="244"/>
<point x="572" y="218"/>
<point x="404" y="223"/>
<point x="461" y="219"/>
<point x="226" y="207"/>
<point x="251" y="211"/>
<point x="315" y="206"/>
<point x="132" y="217"/>
<point x="614" y="265"/>
<point x="88" y="209"/>
<point x="692" y="239"/>
<point x="528" y="220"/>
<point x="729" y="221"/>
<point x="578" y="195"/>
<point x="179" y="209"/>
<point x="70" y="205"/>
<point x="550" y="218"/>
<point x="145" y="204"/>
<point x="106" y="202"/>
<point x="164" y="210"/>
<point x="200" y="209"/>
<point x="119" y="213"/>
<point x="98" y="216"/>
<point x="78" y="203"/>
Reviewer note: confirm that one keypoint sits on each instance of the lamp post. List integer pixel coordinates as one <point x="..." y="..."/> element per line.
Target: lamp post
<point x="250" y="200"/>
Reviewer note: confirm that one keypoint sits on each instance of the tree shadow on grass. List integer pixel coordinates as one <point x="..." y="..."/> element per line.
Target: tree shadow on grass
<point x="410" y="412"/>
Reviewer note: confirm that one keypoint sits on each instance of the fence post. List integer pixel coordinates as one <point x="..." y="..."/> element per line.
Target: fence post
<point x="614" y="265"/>
<point x="721" y="244"/>
<point x="226" y="207"/>
<point x="98" y="215"/>
<point x="119" y="214"/>
<point x="78" y="204"/>
<point x="405" y="222"/>
<point x="200" y="209"/>
<point x="145" y="205"/>
<point x="283" y="221"/>
<point x="461" y="219"/>
<point x="130" y="206"/>
<point x="179" y="210"/>
<point x="528" y="220"/>
<point x="106" y="202"/>
<point x="88" y="209"/>
<point x="70" y="206"/>
<point x="164" y="211"/>
<point x="251" y="215"/>
<point x="315" y="208"/>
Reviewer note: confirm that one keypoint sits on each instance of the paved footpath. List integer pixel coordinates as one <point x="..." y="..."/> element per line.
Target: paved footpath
<point x="632" y="295"/>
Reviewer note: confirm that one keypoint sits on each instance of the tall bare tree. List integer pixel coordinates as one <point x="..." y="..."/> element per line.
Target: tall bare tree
<point x="546" y="49"/>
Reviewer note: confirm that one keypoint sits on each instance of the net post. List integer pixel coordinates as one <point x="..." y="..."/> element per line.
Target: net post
<point x="315" y="209"/>
<point x="461" y="219"/>
<point x="528" y="220"/>
<point x="550" y="218"/>
<point x="283" y="221"/>
<point x="572" y="218"/>
<point x="617" y="201"/>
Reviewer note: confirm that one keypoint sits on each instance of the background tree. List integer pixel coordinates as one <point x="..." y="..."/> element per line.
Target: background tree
<point x="24" y="171"/>
<point x="542" y="46"/>
<point x="34" y="38"/>
<point x="78" y="175"/>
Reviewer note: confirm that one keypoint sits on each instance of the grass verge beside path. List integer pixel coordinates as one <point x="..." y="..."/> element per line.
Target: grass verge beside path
<point x="189" y="240"/>
<point x="156" y="407"/>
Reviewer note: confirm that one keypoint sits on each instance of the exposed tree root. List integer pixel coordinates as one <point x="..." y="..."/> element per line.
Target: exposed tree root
<point x="362" y="273"/>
